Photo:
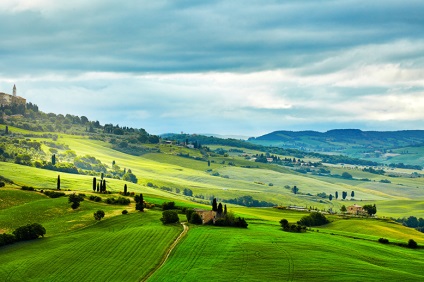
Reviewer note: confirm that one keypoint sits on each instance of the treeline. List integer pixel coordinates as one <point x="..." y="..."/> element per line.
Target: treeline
<point x="412" y="222"/>
<point x="23" y="233"/>
<point x="248" y="201"/>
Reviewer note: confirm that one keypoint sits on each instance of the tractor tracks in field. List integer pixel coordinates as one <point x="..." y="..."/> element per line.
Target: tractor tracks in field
<point x="290" y="262"/>
<point x="168" y="252"/>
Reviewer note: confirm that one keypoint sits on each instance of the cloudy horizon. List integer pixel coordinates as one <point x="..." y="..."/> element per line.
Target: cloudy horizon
<point x="225" y="67"/>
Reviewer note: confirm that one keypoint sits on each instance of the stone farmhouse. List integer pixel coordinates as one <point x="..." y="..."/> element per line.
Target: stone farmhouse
<point x="355" y="209"/>
<point x="206" y="216"/>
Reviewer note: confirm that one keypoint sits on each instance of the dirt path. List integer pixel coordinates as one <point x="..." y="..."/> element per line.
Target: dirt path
<point x="168" y="252"/>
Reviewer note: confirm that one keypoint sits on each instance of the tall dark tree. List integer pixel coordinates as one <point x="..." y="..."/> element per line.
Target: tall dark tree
<point x="330" y="197"/>
<point x="58" y="182"/>
<point x="209" y="163"/>
<point x="344" y="195"/>
<point x="75" y="200"/>
<point x="54" y="159"/>
<point x="225" y="209"/>
<point x="352" y="194"/>
<point x="94" y="184"/>
<point x="104" y="185"/>
<point x="102" y="175"/>
<point x="219" y="211"/>
<point x="295" y="189"/>
<point x="214" y="205"/>
<point x="98" y="186"/>
<point x="125" y="189"/>
<point x="6" y="131"/>
<point x="139" y="202"/>
<point x="337" y="195"/>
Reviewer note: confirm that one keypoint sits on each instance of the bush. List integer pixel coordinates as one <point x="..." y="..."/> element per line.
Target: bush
<point x="169" y="216"/>
<point x="119" y="201"/>
<point x="26" y="188"/>
<point x="168" y="206"/>
<point x="29" y="232"/>
<point x="2" y="184"/>
<point x="383" y="241"/>
<point x="314" y="219"/>
<point x="98" y="215"/>
<point x="6" y="239"/>
<point x="95" y="198"/>
<point x="124" y="212"/>
<point x="53" y="194"/>
<point x="412" y="244"/>
<point x="195" y="218"/>
<point x="75" y="200"/>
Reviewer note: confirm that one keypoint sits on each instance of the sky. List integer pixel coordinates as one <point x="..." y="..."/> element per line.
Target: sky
<point x="239" y="67"/>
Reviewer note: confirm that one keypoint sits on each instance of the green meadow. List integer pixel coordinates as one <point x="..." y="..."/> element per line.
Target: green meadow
<point x="129" y="247"/>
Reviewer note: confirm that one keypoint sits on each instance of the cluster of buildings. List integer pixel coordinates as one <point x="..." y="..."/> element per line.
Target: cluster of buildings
<point x="11" y="99"/>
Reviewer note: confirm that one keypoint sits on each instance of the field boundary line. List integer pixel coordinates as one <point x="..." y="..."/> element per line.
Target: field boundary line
<point x="168" y="252"/>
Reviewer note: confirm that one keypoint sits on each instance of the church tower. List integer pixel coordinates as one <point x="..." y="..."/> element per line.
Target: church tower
<point x="14" y="90"/>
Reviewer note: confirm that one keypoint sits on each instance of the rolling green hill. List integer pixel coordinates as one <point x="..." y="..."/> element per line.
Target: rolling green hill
<point x="129" y="247"/>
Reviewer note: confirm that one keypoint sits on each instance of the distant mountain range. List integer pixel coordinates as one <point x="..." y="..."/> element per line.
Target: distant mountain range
<point x="380" y="146"/>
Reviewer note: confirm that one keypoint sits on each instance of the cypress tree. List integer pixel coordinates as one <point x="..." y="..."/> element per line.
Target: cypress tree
<point x="58" y="182"/>
<point x="209" y="163"/>
<point x="6" y="130"/>
<point x="214" y="205"/>
<point x="94" y="184"/>
<point x="352" y="194"/>
<point x="54" y="159"/>
<point x="104" y="185"/>
<point x="98" y="187"/>
<point x="125" y="189"/>
<point x="337" y="195"/>
<point x="225" y="209"/>
<point x="219" y="211"/>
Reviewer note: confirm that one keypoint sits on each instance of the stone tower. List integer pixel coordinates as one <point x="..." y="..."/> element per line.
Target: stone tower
<point x="14" y="90"/>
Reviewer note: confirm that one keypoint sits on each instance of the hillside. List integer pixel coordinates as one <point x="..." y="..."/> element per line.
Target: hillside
<point x="387" y="147"/>
<point x="247" y="179"/>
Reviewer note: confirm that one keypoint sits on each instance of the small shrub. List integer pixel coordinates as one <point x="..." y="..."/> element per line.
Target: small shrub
<point x="98" y="215"/>
<point x="119" y="201"/>
<point x="168" y="206"/>
<point x="383" y="241"/>
<point x="169" y="217"/>
<point x="2" y="184"/>
<point x="53" y="194"/>
<point x="124" y="212"/>
<point x="27" y="188"/>
<point x="270" y="184"/>
<point x="95" y="198"/>
<point x="412" y="244"/>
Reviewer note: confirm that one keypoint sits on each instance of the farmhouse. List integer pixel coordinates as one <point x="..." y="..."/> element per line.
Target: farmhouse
<point x="7" y="99"/>
<point x="206" y="216"/>
<point x="355" y="209"/>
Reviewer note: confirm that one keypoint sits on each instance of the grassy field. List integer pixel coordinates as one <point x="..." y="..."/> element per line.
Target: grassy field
<point x="128" y="247"/>
<point x="264" y="253"/>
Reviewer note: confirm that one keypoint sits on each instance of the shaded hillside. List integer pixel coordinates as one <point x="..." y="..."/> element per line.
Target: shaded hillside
<point x="379" y="146"/>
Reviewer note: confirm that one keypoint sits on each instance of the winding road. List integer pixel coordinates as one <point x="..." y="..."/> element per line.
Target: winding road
<point x="168" y="252"/>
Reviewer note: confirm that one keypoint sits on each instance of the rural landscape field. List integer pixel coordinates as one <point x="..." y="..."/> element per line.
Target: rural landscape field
<point x="184" y="140"/>
<point x="187" y="171"/>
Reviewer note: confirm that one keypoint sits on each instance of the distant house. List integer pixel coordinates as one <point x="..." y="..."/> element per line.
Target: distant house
<point x="190" y="146"/>
<point x="270" y="160"/>
<point x="355" y="209"/>
<point x="167" y="142"/>
<point x="206" y="216"/>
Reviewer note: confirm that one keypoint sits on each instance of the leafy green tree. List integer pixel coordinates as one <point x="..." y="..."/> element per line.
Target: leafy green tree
<point x="75" y="200"/>
<point x="29" y="232"/>
<point x="169" y="216"/>
<point x="370" y="209"/>
<point x="314" y="219"/>
<point x="295" y="190"/>
<point x="347" y="175"/>
<point x="58" y="182"/>
<point x="98" y="215"/>
<point x="343" y="209"/>
<point x="130" y="177"/>
<point x="284" y="223"/>
<point x="196" y="218"/>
